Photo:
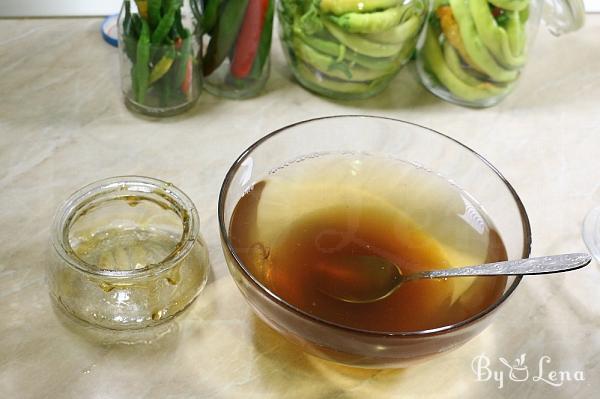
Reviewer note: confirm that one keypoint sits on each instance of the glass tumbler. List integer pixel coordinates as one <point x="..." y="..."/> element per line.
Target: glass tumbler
<point x="473" y="51"/>
<point x="128" y="253"/>
<point x="159" y="56"/>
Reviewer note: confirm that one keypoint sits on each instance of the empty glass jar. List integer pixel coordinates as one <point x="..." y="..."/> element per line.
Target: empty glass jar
<point x="128" y="253"/>
<point x="474" y="50"/>
<point x="349" y="49"/>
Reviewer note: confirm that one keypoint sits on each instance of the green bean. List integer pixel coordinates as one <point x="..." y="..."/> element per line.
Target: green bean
<point x="142" y="69"/>
<point x="493" y="36"/>
<point x="475" y="48"/>
<point x="372" y="22"/>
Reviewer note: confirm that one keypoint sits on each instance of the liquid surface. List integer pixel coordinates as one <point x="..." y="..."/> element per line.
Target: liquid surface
<point x="318" y="209"/>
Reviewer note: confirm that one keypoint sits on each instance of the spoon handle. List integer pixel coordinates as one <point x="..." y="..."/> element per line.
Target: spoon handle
<point x="541" y="265"/>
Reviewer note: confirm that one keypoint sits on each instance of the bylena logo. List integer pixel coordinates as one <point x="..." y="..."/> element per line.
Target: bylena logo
<point x="519" y="371"/>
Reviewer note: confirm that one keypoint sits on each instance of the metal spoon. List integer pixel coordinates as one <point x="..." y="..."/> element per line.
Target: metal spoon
<point x="363" y="279"/>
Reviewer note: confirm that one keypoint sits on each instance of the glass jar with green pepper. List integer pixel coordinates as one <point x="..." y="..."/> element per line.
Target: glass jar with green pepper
<point x="349" y="49"/>
<point x="474" y="51"/>
<point x="236" y="37"/>
<point x="159" y="56"/>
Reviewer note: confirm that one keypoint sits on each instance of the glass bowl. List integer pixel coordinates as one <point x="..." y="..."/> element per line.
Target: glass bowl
<point x="387" y="138"/>
<point x="591" y="232"/>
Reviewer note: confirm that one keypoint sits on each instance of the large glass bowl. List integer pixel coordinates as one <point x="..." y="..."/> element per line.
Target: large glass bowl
<point x="383" y="137"/>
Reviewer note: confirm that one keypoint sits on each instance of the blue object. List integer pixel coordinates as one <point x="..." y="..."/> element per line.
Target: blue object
<point x="109" y="30"/>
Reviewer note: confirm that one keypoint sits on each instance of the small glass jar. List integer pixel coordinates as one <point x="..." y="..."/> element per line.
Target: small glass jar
<point x="236" y="37"/>
<point x="128" y="253"/>
<point x="159" y="57"/>
<point x="349" y="49"/>
<point x="474" y="51"/>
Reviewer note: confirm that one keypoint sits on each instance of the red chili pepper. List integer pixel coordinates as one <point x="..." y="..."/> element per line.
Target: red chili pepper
<point x="248" y="39"/>
<point x="496" y="12"/>
<point x="186" y="85"/>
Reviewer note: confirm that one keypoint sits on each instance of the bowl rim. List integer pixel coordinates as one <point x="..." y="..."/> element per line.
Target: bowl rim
<point x="299" y="312"/>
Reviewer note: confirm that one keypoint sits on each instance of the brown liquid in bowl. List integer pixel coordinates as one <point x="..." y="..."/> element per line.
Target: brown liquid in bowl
<point x="286" y="225"/>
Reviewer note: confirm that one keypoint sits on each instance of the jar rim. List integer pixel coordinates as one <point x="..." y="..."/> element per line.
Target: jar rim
<point x="67" y="213"/>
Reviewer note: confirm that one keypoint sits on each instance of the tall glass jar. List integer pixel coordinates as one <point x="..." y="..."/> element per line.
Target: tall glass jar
<point x="474" y="51"/>
<point x="349" y="49"/>
<point x="236" y="38"/>
<point x="159" y="56"/>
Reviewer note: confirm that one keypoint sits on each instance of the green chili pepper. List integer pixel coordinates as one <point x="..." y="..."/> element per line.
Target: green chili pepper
<point x="164" y="26"/>
<point x="141" y="66"/>
<point x="434" y="61"/>
<point x="136" y="25"/>
<point x="226" y="31"/>
<point x="340" y="51"/>
<point x="515" y="30"/>
<point x="495" y="38"/>
<point x="371" y="22"/>
<point x="474" y="46"/>
<point x="330" y="67"/>
<point x="362" y="45"/>
<point x="179" y="28"/>
<point x="264" y="48"/>
<point x="341" y="7"/>
<point x="311" y="80"/>
<point x="513" y="5"/>
<point x="129" y="41"/>
<point x="400" y="33"/>
<point x="154" y="12"/>
<point x="163" y="66"/>
<point x="209" y="19"/>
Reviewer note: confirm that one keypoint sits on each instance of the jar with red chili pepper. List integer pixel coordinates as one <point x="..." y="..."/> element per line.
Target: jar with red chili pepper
<point x="159" y="56"/>
<point x="236" y="38"/>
